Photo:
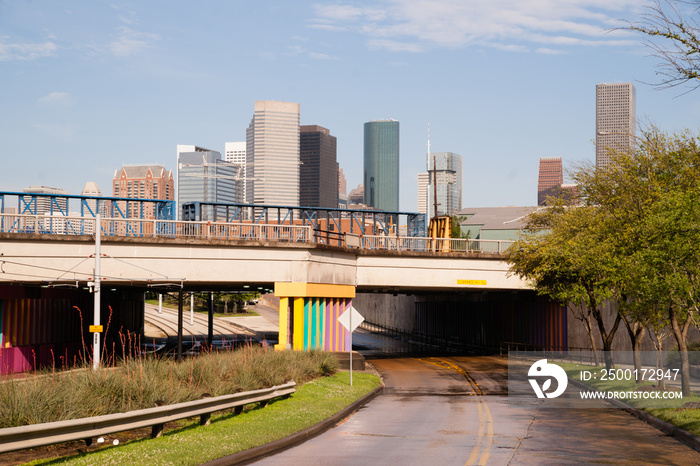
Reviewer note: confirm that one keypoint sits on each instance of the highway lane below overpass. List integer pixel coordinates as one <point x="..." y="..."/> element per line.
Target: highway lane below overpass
<point x="432" y="413"/>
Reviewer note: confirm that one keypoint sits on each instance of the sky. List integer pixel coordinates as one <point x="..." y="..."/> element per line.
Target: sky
<point x="88" y="86"/>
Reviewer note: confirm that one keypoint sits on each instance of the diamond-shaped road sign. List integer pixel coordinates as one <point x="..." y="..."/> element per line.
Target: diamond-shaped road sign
<point x="357" y="319"/>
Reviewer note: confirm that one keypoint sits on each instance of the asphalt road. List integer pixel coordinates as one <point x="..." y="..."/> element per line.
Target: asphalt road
<point x="454" y="410"/>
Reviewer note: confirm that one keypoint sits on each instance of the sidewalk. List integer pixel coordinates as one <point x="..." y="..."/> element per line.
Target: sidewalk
<point x="257" y="325"/>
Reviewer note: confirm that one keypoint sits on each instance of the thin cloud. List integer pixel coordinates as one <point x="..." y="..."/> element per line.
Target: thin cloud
<point x="129" y="42"/>
<point x="62" y="99"/>
<point x="322" y="56"/>
<point x="518" y="25"/>
<point x="26" y="52"/>
<point x="393" y="45"/>
<point x="548" y="51"/>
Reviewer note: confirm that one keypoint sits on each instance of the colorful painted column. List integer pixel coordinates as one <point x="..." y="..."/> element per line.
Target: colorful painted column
<point x="309" y="315"/>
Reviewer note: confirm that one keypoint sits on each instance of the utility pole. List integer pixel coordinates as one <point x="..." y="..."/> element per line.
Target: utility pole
<point x="96" y="328"/>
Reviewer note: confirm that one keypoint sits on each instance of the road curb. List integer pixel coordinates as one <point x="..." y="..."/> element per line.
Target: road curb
<point x="683" y="435"/>
<point x="277" y="446"/>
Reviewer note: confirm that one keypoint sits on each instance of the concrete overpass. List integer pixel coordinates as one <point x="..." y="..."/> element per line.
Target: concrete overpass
<point x="209" y="263"/>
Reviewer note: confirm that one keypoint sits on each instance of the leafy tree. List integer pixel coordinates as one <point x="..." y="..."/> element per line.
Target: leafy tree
<point x="673" y="253"/>
<point x="571" y="263"/>
<point x="634" y="239"/>
<point x="456" y="227"/>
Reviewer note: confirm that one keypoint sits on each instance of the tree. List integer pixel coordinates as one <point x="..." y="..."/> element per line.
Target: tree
<point x="673" y="253"/>
<point x="567" y="257"/>
<point x="635" y="239"/>
<point x="679" y="47"/>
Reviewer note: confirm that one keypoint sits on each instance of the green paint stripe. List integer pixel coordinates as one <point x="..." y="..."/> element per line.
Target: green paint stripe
<point x="306" y="323"/>
<point x="314" y="321"/>
<point x="322" y="319"/>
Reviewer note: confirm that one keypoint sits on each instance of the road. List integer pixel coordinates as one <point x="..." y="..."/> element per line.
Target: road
<point x="454" y="410"/>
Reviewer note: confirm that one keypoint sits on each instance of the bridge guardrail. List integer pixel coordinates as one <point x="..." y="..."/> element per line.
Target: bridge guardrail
<point x="73" y="225"/>
<point x="412" y="243"/>
<point x="36" y="435"/>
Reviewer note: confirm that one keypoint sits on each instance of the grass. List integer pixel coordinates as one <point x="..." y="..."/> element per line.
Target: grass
<point x="666" y="410"/>
<point x="141" y="382"/>
<point x="229" y="433"/>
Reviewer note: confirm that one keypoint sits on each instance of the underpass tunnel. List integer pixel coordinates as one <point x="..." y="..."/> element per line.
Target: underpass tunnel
<point x="489" y="320"/>
<point x="50" y="327"/>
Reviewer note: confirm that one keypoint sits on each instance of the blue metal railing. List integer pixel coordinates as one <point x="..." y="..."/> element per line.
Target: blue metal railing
<point x="353" y="221"/>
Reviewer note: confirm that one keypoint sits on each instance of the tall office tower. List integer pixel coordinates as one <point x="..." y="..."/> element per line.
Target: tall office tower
<point x="445" y="171"/>
<point x="142" y="182"/>
<point x="550" y="178"/>
<point x="272" y="154"/>
<point x="381" y="165"/>
<point x="615" y="120"/>
<point x="45" y="205"/>
<point x="318" y="174"/>
<point x="203" y="176"/>
<point x="342" y="189"/>
<point x="235" y="154"/>
<point x="423" y="193"/>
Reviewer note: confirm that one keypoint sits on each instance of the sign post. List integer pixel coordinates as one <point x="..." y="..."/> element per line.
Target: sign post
<point x="351" y="319"/>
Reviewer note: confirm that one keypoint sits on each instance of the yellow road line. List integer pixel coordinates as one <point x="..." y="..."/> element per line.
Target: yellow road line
<point x="479" y="438"/>
<point x="489" y="435"/>
<point x="485" y="418"/>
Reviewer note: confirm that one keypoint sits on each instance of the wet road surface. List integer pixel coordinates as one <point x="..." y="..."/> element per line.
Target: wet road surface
<point x="454" y="410"/>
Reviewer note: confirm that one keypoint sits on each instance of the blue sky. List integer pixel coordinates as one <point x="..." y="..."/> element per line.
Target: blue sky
<point x="86" y="86"/>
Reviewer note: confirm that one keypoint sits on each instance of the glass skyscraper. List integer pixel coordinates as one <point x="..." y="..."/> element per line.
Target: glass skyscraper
<point x="381" y="165"/>
<point x="203" y="176"/>
<point x="446" y="169"/>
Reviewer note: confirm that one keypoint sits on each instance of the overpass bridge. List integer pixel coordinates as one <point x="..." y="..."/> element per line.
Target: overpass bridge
<point x="316" y="266"/>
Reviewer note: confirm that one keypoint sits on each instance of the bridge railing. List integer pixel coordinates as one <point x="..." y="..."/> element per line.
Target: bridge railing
<point x="402" y="243"/>
<point x="69" y="225"/>
<point x="151" y="228"/>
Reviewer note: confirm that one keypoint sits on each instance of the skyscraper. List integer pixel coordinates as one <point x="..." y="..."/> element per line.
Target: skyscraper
<point x="445" y="169"/>
<point x="381" y="165"/>
<point x="318" y="173"/>
<point x="235" y="154"/>
<point x="423" y="193"/>
<point x="203" y="176"/>
<point x="342" y="189"/>
<point x="549" y="179"/>
<point x="615" y="120"/>
<point x="272" y="154"/>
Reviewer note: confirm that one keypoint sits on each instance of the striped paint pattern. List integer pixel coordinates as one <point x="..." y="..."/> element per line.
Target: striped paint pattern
<point x="316" y="324"/>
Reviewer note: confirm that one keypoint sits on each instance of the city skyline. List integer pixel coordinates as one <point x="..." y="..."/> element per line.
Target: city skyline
<point x="96" y="86"/>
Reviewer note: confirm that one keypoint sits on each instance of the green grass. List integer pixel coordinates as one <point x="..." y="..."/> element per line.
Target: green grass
<point x="666" y="410"/>
<point x="229" y="433"/>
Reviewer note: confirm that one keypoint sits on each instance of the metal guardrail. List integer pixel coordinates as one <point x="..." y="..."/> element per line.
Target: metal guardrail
<point x="425" y="244"/>
<point x="36" y="435"/>
<point x="152" y="228"/>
